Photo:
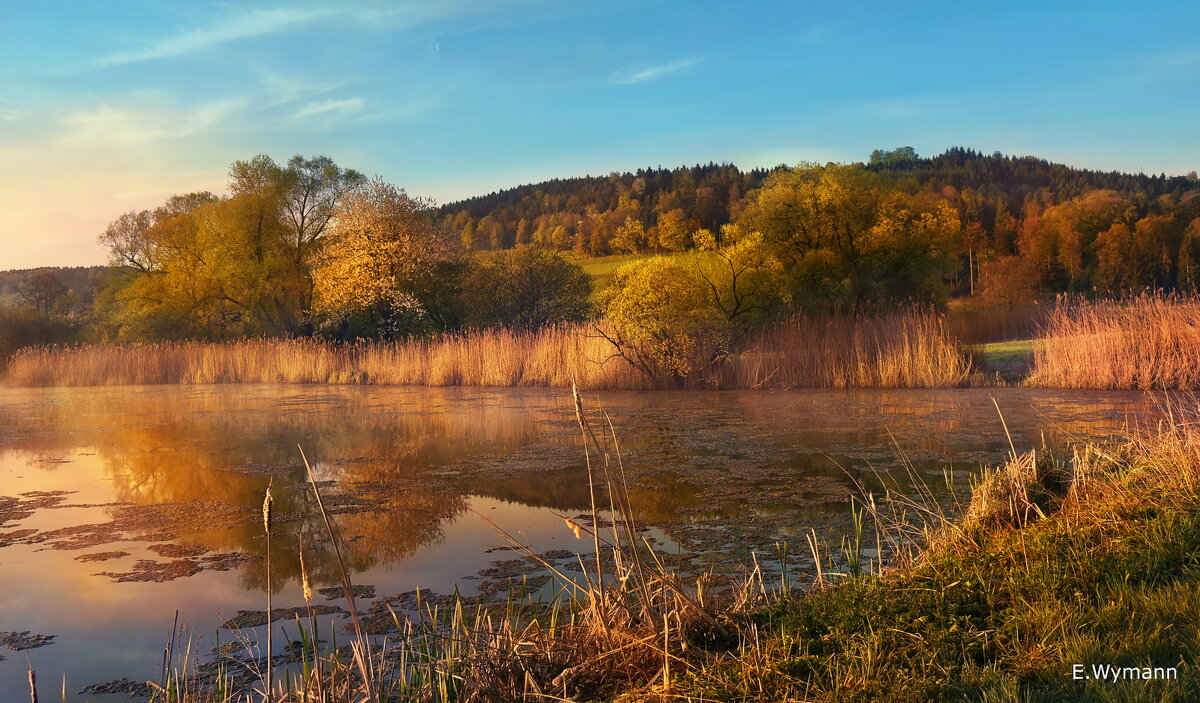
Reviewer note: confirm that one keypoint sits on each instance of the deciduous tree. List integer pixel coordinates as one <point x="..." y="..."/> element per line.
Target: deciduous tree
<point x="524" y="288"/>
<point x="664" y="319"/>
<point x="629" y="237"/>
<point x="380" y="244"/>
<point x="849" y="236"/>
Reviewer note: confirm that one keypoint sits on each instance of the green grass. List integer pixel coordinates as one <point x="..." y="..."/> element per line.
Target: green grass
<point x="602" y="268"/>
<point x="1005" y="622"/>
<point x="1003" y="612"/>
<point x="1012" y="360"/>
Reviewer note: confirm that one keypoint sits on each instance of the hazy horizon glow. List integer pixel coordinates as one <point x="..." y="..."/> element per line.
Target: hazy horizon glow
<point x="113" y="107"/>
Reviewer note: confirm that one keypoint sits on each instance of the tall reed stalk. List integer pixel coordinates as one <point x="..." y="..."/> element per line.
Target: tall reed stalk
<point x="266" y="516"/>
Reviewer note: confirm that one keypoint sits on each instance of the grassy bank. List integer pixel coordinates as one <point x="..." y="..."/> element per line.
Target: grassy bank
<point x="910" y="349"/>
<point x="1009" y="361"/>
<point x="1094" y="561"/>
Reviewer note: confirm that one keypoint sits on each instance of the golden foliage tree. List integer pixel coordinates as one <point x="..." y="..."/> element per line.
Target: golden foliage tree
<point x="673" y="230"/>
<point x="208" y="266"/>
<point x="664" y="319"/>
<point x="849" y="236"/>
<point x="381" y="244"/>
<point x="1062" y="239"/>
<point x="745" y="281"/>
<point x="630" y="237"/>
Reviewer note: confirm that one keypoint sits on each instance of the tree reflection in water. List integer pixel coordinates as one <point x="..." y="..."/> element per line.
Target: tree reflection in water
<point x="374" y="459"/>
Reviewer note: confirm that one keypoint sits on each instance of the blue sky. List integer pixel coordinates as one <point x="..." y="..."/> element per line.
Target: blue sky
<point x="107" y="107"/>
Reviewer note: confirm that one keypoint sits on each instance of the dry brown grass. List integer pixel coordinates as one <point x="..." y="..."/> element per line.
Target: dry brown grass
<point x="976" y="321"/>
<point x="1151" y="341"/>
<point x="909" y="349"/>
<point x="489" y="358"/>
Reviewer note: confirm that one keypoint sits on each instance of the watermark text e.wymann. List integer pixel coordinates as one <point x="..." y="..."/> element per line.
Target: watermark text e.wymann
<point x="1108" y="672"/>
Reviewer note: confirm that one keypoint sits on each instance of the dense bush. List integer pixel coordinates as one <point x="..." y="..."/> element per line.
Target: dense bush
<point x="22" y="327"/>
<point x="665" y="321"/>
<point x="524" y="288"/>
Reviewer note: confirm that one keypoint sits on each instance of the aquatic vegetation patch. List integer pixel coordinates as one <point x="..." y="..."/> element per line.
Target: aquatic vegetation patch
<point x="336" y="593"/>
<point x="123" y="685"/>
<point x="99" y="556"/>
<point x="148" y="570"/>
<point x="255" y="618"/>
<point x="21" y="641"/>
<point x="178" y="550"/>
<point x="17" y="508"/>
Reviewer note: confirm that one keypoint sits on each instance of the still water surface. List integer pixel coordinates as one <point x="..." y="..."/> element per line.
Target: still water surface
<point x="120" y="506"/>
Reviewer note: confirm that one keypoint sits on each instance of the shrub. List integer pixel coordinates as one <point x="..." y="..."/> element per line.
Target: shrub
<point x="23" y="327"/>
<point x="664" y="319"/>
<point x="524" y="288"/>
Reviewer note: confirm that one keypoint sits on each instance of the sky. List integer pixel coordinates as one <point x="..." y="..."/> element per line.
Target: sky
<point x="107" y="107"/>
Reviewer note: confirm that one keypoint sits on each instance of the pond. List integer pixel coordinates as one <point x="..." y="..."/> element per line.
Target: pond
<point x="120" y="507"/>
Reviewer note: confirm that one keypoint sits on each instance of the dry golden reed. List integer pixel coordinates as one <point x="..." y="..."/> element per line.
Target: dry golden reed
<point x="910" y="349"/>
<point x="1151" y="341"/>
<point x="983" y="322"/>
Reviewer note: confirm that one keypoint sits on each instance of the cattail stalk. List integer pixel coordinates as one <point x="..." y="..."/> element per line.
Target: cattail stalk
<point x="266" y="513"/>
<point x="587" y="458"/>
<point x="306" y="584"/>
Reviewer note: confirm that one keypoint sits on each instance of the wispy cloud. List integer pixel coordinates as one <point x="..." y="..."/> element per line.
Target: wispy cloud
<point x="8" y="115"/>
<point x="651" y="73"/>
<point x="275" y="20"/>
<point x="255" y="23"/>
<point x="280" y="89"/>
<point x="326" y="106"/>
<point x="820" y="33"/>
<point x="1163" y="65"/>
<point x="111" y="125"/>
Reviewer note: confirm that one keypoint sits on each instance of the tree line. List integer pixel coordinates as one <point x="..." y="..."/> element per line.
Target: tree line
<point x="1007" y="247"/>
<point x="309" y="248"/>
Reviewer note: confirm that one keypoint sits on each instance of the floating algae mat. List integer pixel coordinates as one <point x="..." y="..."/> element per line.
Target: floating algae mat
<point x="121" y="506"/>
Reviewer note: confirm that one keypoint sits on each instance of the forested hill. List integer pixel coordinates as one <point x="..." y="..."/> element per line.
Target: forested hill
<point x="1016" y="177"/>
<point x="83" y="280"/>
<point x="584" y="213"/>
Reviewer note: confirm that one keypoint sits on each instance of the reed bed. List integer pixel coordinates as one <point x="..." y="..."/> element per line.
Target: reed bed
<point x="982" y="322"/>
<point x="550" y="357"/>
<point x="909" y="349"/>
<point x="1148" y="342"/>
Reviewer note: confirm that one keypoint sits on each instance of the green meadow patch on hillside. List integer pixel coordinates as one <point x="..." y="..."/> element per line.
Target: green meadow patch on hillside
<point x="602" y="268"/>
